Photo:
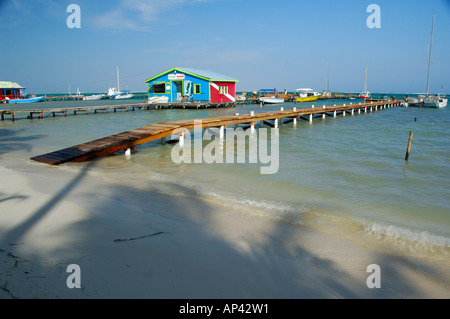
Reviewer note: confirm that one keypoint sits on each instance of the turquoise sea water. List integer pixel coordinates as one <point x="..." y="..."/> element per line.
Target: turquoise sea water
<point x="345" y="176"/>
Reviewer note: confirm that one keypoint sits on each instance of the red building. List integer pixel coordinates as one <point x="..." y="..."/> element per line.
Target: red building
<point x="11" y="91"/>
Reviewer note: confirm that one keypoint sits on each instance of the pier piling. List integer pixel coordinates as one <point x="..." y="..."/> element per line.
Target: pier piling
<point x="408" y="149"/>
<point x="129" y="139"/>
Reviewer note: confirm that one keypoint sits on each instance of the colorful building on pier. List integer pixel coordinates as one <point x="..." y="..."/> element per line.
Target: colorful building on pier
<point x="187" y="84"/>
<point x="11" y="90"/>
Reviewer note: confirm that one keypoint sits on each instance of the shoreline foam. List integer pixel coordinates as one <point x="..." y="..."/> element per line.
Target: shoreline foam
<point x="56" y="217"/>
<point x="395" y="239"/>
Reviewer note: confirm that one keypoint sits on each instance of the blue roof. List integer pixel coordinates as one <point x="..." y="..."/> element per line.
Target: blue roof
<point x="209" y="75"/>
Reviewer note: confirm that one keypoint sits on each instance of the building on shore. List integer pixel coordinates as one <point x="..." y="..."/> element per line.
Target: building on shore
<point x="189" y="85"/>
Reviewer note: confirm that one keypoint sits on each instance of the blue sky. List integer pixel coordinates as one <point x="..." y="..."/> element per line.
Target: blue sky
<point x="264" y="44"/>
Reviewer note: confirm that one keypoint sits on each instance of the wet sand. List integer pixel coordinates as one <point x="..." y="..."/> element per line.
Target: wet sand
<point x="163" y="242"/>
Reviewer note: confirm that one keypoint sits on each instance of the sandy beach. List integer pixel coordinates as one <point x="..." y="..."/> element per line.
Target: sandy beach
<point x="162" y="243"/>
<point x="226" y="158"/>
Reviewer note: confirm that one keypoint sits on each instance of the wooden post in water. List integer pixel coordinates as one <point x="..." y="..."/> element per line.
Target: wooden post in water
<point x="409" y="146"/>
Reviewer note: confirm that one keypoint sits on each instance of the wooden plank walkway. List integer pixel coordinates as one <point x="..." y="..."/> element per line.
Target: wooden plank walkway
<point x="51" y="98"/>
<point x="41" y="113"/>
<point x="130" y="139"/>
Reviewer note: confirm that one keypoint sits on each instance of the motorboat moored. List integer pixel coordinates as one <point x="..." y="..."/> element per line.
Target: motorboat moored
<point x="25" y="100"/>
<point x="117" y="94"/>
<point x="428" y="100"/>
<point x="436" y="101"/>
<point x="270" y="96"/>
<point x="306" y="95"/>
<point x="95" y="97"/>
<point x="271" y="99"/>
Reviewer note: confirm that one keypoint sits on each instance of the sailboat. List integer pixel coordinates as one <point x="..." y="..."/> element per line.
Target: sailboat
<point x="327" y="92"/>
<point x="365" y="94"/>
<point x="428" y="99"/>
<point x="116" y="93"/>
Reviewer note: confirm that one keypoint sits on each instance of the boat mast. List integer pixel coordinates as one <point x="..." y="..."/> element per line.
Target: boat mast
<point x="429" y="58"/>
<point x="365" y="83"/>
<point x="118" y="88"/>
<point x="328" y="84"/>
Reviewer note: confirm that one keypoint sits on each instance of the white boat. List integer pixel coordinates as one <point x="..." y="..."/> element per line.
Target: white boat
<point x="112" y="92"/>
<point x="94" y="97"/>
<point x="115" y="93"/>
<point x="158" y="99"/>
<point x="242" y="97"/>
<point x="327" y="93"/>
<point x="125" y="94"/>
<point x="270" y="99"/>
<point x="364" y="94"/>
<point x="428" y="100"/>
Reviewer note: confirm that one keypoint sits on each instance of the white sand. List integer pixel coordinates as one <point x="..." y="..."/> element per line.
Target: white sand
<point x="52" y="217"/>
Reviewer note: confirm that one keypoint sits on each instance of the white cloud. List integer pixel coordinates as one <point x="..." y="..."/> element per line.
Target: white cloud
<point x="115" y="19"/>
<point x="15" y="13"/>
<point x="146" y="10"/>
<point x="138" y="14"/>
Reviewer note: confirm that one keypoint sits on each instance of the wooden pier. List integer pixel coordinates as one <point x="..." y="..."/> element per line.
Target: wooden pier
<point x="290" y="97"/>
<point x="52" y="98"/>
<point x="126" y="141"/>
<point x="52" y="112"/>
<point x="70" y="97"/>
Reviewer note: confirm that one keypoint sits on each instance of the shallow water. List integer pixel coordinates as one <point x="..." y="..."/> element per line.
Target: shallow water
<point x="345" y="176"/>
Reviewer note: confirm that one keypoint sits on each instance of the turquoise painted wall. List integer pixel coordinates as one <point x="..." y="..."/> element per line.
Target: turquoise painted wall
<point x="171" y="87"/>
